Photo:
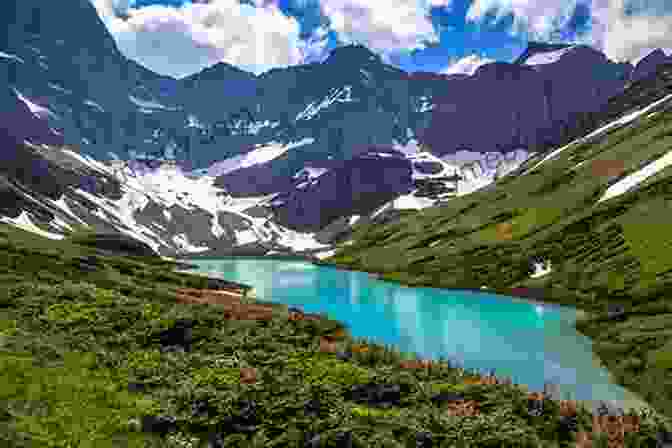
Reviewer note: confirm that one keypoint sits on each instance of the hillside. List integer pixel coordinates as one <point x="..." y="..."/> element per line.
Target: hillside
<point x="585" y="225"/>
<point x="102" y="350"/>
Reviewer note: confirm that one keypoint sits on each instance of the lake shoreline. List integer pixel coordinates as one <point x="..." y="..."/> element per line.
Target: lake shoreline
<point x="528" y="295"/>
<point x="534" y="295"/>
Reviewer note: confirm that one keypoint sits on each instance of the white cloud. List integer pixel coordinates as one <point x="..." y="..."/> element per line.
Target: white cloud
<point x="624" y="37"/>
<point x="467" y="65"/>
<point x="440" y="3"/>
<point x="385" y="27"/>
<point x="537" y="18"/>
<point x="181" y="41"/>
<point x="621" y="37"/>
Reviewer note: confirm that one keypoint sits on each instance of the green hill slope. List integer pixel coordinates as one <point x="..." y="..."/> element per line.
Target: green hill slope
<point x="95" y="352"/>
<point x="602" y="253"/>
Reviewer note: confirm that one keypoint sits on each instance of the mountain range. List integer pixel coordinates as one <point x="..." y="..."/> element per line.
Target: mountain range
<point x="224" y="161"/>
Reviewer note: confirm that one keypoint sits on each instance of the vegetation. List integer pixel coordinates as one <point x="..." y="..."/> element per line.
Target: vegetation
<point x="85" y="362"/>
<point x="616" y="252"/>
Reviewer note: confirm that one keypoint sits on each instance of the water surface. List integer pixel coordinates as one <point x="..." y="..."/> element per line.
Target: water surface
<point x="530" y="342"/>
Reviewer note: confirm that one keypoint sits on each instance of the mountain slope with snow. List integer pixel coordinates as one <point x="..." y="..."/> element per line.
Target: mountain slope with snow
<point x="173" y="213"/>
<point x="586" y="225"/>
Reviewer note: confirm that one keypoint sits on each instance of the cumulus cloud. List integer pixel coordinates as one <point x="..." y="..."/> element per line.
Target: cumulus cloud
<point x="385" y="27"/>
<point x="629" y="37"/>
<point x="439" y="3"/>
<point x="623" y="30"/>
<point x="467" y="65"/>
<point x="181" y="41"/>
<point x="538" y="19"/>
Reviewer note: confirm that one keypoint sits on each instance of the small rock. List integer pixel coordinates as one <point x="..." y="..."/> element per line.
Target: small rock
<point x="215" y="440"/>
<point x="664" y="439"/>
<point x="381" y="395"/>
<point x="313" y="441"/>
<point x="423" y="439"/>
<point x="181" y="334"/>
<point x="343" y="356"/>
<point x="136" y="387"/>
<point x="172" y="349"/>
<point x="160" y="424"/>
<point x="607" y="408"/>
<point x="447" y="397"/>
<point x="201" y="408"/>
<point x="567" y="425"/>
<point x="615" y="312"/>
<point x="312" y="408"/>
<point x="344" y="439"/>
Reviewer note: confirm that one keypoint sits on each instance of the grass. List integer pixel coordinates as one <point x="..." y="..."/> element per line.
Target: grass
<point x="74" y="342"/>
<point x="616" y="251"/>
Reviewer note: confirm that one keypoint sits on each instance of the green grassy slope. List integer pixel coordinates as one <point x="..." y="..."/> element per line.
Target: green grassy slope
<point x="615" y="252"/>
<point x="79" y="367"/>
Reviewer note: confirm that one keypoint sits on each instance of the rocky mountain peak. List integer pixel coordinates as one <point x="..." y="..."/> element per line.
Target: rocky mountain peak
<point x="534" y="47"/>
<point x="354" y="55"/>
<point x="648" y="65"/>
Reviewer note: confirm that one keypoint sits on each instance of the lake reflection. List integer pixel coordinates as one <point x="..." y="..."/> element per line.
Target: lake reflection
<point x="530" y="342"/>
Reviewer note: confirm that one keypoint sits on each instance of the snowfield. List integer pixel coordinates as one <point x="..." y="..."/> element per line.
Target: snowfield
<point x="637" y="177"/>
<point x="598" y="132"/>
<point x="257" y="156"/>
<point x="23" y="222"/>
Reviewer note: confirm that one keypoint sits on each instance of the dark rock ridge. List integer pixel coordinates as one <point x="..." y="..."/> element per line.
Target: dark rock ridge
<point x="106" y="103"/>
<point x="358" y="186"/>
<point x="523" y="106"/>
<point x="648" y="65"/>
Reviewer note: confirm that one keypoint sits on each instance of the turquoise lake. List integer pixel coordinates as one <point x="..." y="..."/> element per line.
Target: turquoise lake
<point x="527" y="341"/>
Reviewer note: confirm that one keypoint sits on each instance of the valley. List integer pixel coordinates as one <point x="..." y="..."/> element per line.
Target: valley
<point x="545" y="178"/>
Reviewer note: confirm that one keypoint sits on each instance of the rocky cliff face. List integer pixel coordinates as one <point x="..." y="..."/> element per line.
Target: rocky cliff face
<point x="649" y="64"/>
<point x="356" y="187"/>
<point x="525" y="104"/>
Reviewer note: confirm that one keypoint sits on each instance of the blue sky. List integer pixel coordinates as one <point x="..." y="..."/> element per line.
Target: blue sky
<point x="181" y="37"/>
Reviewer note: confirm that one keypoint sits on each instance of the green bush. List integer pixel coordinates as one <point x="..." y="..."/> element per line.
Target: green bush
<point x="72" y="404"/>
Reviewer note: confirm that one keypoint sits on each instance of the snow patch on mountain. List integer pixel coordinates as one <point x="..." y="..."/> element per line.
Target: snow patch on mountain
<point x="308" y="175"/>
<point x="62" y="205"/>
<point x="447" y="169"/>
<point x="88" y="161"/>
<point x="60" y="224"/>
<point x="409" y="201"/>
<point x="626" y="119"/>
<point x="547" y="57"/>
<point x="183" y="244"/>
<point x="343" y="95"/>
<point x="261" y="154"/>
<point x="94" y="105"/>
<point x="426" y="104"/>
<point x="238" y="205"/>
<point x="300" y="241"/>
<point x="11" y="56"/>
<point x="37" y="110"/>
<point x="325" y="254"/>
<point x="628" y="182"/>
<point x="123" y="211"/>
<point x="23" y="222"/>
<point x="245" y="236"/>
<point x="59" y="88"/>
<point x="149" y="105"/>
<point x="170" y="187"/>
